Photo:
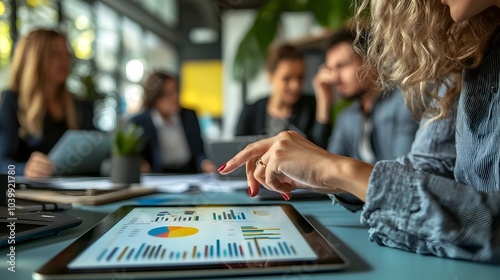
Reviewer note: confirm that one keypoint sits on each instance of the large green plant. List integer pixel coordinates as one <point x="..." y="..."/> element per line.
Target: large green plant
<point x="252" y="49"/>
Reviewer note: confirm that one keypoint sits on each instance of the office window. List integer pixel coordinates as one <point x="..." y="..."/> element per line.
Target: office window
<point x="33" y="14"/>
<point x="132" y="67"/>
<point x="80" y="28"/>
<point x="159" y="55"/>
<point x="165" y="10"/>
<point x="106" y="57"/>
<point x="5" y="41"/>
<point x="107" y="45"/>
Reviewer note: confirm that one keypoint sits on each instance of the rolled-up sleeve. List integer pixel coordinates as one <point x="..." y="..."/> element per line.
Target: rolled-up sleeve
<point x="429" y="214"/>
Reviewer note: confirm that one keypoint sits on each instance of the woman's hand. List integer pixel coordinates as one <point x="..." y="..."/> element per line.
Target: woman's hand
<point x="208" y="166"/>
<point x="38" y="166"/>
<point x="289" y="161"/>
<point x="323" y="91"/>
<point x="145" y="167"/>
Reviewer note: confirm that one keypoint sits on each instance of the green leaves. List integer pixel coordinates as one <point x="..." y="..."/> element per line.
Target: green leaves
<point x="129" y="142"/>
<point x="252" y="49"/>
<point x="254" y="45"/>
<point x="330" y="13"/>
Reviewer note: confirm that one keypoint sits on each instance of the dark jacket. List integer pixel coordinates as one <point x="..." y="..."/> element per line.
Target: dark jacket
<point x="152" y="152"/>
<point x="16" y="150"/>
<point x="254" y="117"/>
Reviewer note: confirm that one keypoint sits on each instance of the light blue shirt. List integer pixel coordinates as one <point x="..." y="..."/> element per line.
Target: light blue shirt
<point x="390" y="135"/>
<point x="172" y="139"/>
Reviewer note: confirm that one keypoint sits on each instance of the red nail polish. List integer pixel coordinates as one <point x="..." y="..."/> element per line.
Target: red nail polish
<point x="250" y="192"/>
<point x="285" y="197"/>
<point x="221" y="167"/>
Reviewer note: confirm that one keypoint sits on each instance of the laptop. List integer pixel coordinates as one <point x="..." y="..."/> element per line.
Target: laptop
<point x="220" y="151"/>
<point x="80" y="152"/>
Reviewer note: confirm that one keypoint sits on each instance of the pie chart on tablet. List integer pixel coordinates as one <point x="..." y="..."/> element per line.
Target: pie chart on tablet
<point x="172" y="231"/>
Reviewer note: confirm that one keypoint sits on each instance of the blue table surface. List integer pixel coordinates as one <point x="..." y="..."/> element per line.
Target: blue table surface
<point x="368" y="260"/>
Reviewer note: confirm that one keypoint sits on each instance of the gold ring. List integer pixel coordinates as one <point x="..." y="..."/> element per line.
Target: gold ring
<point x="259" y="161"/>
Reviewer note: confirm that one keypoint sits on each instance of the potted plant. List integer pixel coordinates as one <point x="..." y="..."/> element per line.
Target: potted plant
<point x="126" y="157"/>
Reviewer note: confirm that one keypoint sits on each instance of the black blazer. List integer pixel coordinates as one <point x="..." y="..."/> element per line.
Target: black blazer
<point x="253" y="120"/>
<point x="152" y="152"/>
<point x="16" y="150"/>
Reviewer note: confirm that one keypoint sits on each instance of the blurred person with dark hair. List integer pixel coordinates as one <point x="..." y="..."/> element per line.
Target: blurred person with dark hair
<point x="174" y="138"/>
<point x="286" y="107"/>
<point x="377" y="125"/>
<point x="37" y="108"/>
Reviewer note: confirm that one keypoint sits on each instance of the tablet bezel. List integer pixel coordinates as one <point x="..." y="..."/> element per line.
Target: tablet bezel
<point x="329" y="258"/>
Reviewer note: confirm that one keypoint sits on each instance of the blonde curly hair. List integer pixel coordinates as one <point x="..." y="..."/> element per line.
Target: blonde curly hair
<point x="416" y="45"/>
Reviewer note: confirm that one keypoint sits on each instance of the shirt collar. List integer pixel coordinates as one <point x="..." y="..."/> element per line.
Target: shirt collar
<point x="159" y="122"/>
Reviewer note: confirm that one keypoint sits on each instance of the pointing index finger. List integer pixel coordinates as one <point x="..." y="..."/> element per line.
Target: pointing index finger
<point x="251" y="151"/>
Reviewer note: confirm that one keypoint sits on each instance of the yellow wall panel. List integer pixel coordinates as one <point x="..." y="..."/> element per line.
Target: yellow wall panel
<point x="201" y="87"/>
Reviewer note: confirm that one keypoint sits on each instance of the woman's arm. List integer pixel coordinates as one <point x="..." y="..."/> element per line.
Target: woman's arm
<point x="429" y="214"/>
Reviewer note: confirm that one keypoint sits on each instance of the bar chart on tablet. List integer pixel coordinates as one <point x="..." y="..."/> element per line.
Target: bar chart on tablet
<point x="228" y="215"/>
<point x="169" y="216"/>
<point x="164" y="236"/>
<point x="217" y="250"/>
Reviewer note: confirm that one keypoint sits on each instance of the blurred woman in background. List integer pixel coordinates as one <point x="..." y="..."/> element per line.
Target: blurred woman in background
<point x="37" y="108"/>
<point x="174" y="139"/>
<point x="287" y="108"/>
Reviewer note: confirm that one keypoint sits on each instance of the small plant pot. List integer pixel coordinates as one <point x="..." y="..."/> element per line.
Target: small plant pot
<point x="126" y="170"/>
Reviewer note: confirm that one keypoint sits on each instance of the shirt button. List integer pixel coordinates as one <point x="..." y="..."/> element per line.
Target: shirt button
<point x="494" y="89"/>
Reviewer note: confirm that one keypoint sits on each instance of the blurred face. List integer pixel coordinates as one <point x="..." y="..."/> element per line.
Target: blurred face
<point x="168" y="103"/>
<point x="461" y="10"/>
<point x="287" y="80"/>
<point x="344" y="65"/>
<point x="58" y="65"/>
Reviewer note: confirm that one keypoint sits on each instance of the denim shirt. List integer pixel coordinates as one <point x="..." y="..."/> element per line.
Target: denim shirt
<point x="392" y="134"/>
<point x="443" y="198"/>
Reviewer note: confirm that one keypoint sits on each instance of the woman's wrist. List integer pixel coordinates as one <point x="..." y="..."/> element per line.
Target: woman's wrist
<point x="323" y="113"/>
<point x="348" y="175"/>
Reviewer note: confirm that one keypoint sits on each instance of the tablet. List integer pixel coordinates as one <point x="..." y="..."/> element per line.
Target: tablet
<point x="21" y="227"/>
<point x="80" y="152"/>
<point x="149" y="242"/>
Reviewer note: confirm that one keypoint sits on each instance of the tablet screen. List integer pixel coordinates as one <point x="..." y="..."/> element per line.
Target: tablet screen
<point x="196" y="240"/>
<point x="197" y="235"/>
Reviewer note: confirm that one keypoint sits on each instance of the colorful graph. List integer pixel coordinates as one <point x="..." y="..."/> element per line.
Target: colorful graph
<point x="229" y="215"/>
<point x="251" y="232"/>
<point x="169" y="216"/>
<point x="172" y="231"/>
<point x="219" y="250"/>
